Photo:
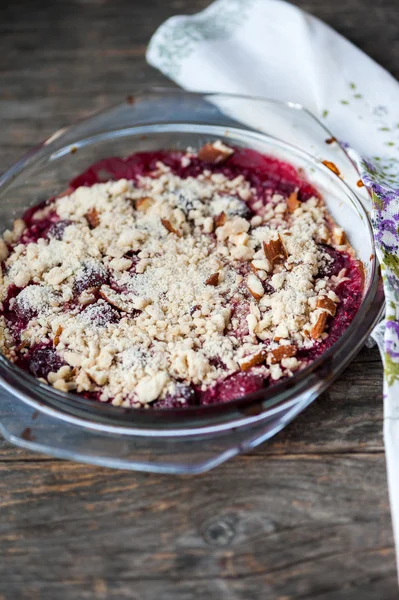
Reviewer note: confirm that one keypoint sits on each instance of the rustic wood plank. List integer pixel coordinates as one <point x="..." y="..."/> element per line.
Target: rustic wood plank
<point x="298" y="530"/>
<point x="304" y="516"/>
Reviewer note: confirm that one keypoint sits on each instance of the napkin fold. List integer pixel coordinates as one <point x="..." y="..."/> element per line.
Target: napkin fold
<point x="272" y="49"/>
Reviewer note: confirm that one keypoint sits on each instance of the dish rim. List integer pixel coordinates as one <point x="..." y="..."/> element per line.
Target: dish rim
<point x="261" y="404"/>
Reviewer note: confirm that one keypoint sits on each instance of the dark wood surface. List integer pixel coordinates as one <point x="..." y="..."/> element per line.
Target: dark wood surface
<point x="305" y="516"/>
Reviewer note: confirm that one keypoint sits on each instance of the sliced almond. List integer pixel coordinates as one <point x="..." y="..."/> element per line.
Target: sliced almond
<point x="143" y="204"/>
<point x="252" y="361"/>
<point x="281" y="352"/>
<point x="93" y="218"/>
<point x="255" y="286"/>
<point x="57" y="336"/>
<point x="274" y="251"/>
<point x="220" y="220"/>
<point x="326" y="304"/>
<point x="293" y="202"/>
<point x="213" y="279"/>
<point x="168" y="225"/>
<point x="319" y="327"/>
<point x="215" y="153"/>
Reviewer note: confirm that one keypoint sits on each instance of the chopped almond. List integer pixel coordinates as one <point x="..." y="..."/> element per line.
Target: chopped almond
<point x="319" y="327"/>
<point x="326" y="304"/>
<point x="220" y="220"/>
<point x="168" y="225"/>
<point x="293" y="202"/>
<point x="57" y="336"/>
<point x="252" y="361"/>
<point x="114" y="299"/>
<point x="339" y="236"/>
<point x="24" y="344"/>
<point x="281" y="352"/>
<point x="194" y="308"/>
<point x="260" y="265"/>
<point x="255" y="286"/>
<point x="215" y="153"/>
<point x="213" y="279"/>
<point x="88" y="296"/>
<point x="275" y="251"/>
<point x="143" y="204"/>
<point x="361" y="268"/>
<point x="93" y="218"/>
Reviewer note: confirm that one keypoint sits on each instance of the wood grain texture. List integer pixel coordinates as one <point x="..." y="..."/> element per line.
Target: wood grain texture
<point x="305" y="516"/>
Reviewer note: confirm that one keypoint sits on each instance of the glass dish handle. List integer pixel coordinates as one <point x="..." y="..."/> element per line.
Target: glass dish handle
<point x="27" y="427"/>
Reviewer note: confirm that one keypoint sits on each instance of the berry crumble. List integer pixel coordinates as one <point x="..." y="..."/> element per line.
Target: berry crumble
<point x="172" y="279"/>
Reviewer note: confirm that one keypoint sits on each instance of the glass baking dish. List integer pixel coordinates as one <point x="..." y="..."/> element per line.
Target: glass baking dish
<point x="194" y="439"/>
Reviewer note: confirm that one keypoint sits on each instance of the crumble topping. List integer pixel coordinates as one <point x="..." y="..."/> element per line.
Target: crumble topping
<point x="147" y="284"/>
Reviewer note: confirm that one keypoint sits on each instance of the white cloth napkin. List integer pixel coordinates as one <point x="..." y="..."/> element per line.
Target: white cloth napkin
<point x="272" y="49"/>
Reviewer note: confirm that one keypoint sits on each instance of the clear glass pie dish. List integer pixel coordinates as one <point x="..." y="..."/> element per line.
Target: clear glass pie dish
<point x="192" y="439"/>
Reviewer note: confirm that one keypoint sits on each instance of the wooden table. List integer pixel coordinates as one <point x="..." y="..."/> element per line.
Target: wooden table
<point x="306" y="516"/>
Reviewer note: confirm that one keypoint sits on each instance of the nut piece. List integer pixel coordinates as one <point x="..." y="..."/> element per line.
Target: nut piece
<point x="261" y="264"/>
<point x="150" y="388"/>
<point x="293" y="202"/>
<point x="339" y="236"/>
<point x="24" y="344"/>
<point x="333" y="167"/>
<point x="255" y="286"/>
<point x="168" y="225"/>
<point x="93" y="218"/>
<point x="114" y="299"/>
<point x="220" y="220"/>
<point x="281" y="352"/>
<point x="88" y="296"/>
<point x="4" y="250"/>
<point x="319" y="327"/>
<point x="213" y="279"/>
<point x="326" y="304"/>
<point x="275" y="251"/>
<point x="252" y="361"/>
<point x="143" y="204"/>
<point x="215" y="153"/>
<point x="57" y="336"/>
<point x="120" y="264"/>
<point x="362" y="270"/>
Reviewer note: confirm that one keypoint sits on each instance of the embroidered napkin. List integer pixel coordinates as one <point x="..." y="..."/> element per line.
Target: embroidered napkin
<point x="272" y="49"/>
